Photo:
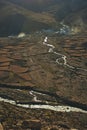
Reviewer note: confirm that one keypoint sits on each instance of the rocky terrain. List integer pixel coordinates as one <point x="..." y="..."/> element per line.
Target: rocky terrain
<point x="30" y="74"/>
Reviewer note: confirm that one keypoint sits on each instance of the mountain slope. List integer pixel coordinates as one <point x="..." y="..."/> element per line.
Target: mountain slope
<point x="27" y="16"/>
<point x="70" y="11"/>
<point x="35" y="5"/>
<point x="14" y="19"/>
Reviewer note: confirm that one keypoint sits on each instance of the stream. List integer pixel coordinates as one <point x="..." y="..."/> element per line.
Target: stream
<point x="69" y="106"/>
<point x="62" y="57"/>
<point x="47" y="107"/>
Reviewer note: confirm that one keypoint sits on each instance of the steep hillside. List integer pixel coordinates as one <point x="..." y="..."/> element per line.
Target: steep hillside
<point x="60" y="9"/>
<point x="27" y="16"/>
<point x="71" y="12"/>
<point x="15" y="19"/>
<point x="33" y="75"/>
<point x="35" y="5"/>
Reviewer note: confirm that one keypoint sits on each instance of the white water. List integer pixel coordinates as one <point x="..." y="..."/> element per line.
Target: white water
<point x="63" y="57"/>
<point x="34" y="96"/>
<point x="47" y="107"/>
